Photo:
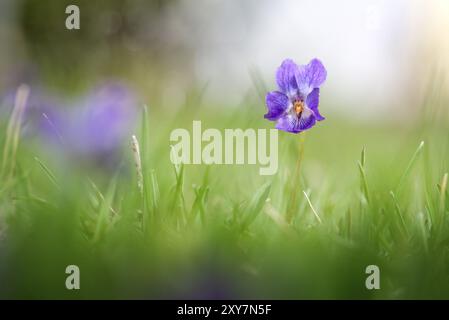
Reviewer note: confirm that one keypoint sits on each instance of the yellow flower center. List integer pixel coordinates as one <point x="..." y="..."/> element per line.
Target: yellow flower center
<point x="298" y="106"/>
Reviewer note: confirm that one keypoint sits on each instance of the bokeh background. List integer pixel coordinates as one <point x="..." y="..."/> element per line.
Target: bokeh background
<point x="72" y="197"/>
<point x="381" y="56"/>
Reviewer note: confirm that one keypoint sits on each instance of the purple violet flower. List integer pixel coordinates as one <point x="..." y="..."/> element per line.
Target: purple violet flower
<point x="295" y="106"/>
<point x="90" y="130"/>
<point x="94" y="129"/>
<point x="104" y="123"/>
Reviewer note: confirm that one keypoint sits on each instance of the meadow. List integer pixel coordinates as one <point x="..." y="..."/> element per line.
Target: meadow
<point x="347" y="194"/>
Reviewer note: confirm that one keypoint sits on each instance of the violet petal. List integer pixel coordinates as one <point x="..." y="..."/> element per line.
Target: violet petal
<point x="277" y="104"/>
<point x="286" y="77"/>
<point x="310" y="76"/>
<point x="292" y="123"/>
<point x="312" y="102"/>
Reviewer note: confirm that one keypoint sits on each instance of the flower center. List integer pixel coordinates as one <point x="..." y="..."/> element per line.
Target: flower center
<point x="298" y="106"/>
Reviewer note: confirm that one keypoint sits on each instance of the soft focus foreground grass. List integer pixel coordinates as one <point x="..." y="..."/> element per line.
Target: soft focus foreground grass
<point x="225" y="231"/>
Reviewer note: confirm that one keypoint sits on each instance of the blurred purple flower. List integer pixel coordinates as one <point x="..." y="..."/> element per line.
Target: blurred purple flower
<point x="295" y="106"/>
<point x="95" y="128"/>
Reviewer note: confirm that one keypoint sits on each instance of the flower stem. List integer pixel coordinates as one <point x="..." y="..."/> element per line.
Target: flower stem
<point x="296" y="181"/>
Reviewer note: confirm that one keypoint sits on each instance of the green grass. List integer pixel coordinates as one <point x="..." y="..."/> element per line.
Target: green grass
<point x="347" y="195"/>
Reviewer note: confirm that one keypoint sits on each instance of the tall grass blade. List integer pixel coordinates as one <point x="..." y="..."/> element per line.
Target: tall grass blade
<point x="48" y="172"/>
<point x="154" y="192"/>
<point x="443" y="189"/>
<point x="103" y="214"/>
<point x="13" y="131"/>
<point x="255" y="205"/>
<point x="400" y="215"/>
<point x="317" y="216"/>
<point x="137" y="162"/>
<point x="364" y="182"/>
<point x="410" y="166"/>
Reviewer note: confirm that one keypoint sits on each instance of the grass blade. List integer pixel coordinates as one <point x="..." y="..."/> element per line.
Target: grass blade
<point x="103" y="213"/>
<point x="137" y="162"/>
<point x="311" y="207"/>
<point x="13" y="130"/>
<point x="410" y="166"/>
<point x="255" y="205"/>
<point x="443" y="188"/>
<point x="364" y="182"/>
<point x="48" y="172"/>
<point x="399" y="213"/>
